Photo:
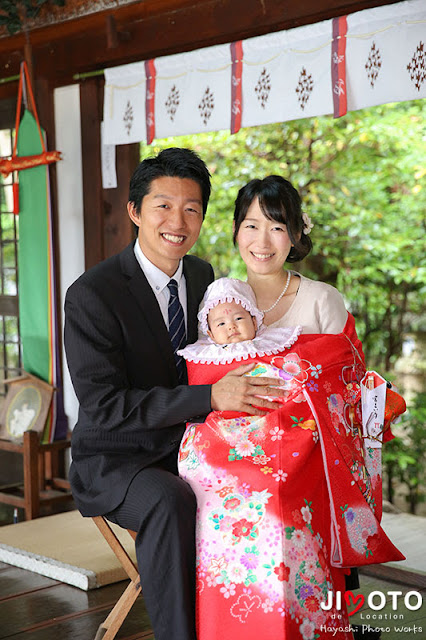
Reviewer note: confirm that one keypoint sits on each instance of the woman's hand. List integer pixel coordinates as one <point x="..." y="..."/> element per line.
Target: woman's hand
<point x="238" y="392"/>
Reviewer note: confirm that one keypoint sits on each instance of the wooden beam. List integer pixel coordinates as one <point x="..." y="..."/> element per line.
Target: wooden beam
<point x="160" y="27"/>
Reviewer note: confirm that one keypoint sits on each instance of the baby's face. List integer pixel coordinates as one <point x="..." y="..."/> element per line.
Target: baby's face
<point x="230" y="322"/>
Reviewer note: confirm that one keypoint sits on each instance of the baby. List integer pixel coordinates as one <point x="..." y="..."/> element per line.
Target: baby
<point x="229" y="322"/>
<point x="231" y="329"/>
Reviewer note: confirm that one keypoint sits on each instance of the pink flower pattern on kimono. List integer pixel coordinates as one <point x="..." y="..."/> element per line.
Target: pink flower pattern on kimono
<point x="293" y="367"/>
<point x="244" y="606"/>
<point x="361" y="525"/>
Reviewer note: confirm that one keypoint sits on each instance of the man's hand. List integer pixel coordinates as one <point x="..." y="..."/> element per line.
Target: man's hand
<point x="237" y="392"/>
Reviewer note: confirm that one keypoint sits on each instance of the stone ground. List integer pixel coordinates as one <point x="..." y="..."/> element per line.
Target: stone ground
<point x="397" y="621"/>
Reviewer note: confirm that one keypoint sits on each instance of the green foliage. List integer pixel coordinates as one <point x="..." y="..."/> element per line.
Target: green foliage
<point x="362" y="179"/>
<point x="15" y="12"/>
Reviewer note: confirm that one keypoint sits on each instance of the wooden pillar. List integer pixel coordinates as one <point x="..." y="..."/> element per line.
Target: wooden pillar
<point x="90" y="108"/>
<point x="107" y="227"/>
<point x="118" y="227"/>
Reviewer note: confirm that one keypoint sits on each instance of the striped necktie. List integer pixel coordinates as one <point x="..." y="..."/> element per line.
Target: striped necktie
<point x="177" y="327"/>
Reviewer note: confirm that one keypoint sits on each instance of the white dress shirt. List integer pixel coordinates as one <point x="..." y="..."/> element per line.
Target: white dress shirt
<point x="158" y="281"/>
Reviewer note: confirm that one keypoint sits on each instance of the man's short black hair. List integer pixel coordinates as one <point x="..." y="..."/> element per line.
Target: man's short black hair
<point x="172" y="163"/>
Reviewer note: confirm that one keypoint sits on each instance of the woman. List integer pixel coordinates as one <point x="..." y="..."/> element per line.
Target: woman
<point x="286" y="502"/>
<point x="270" y="229"/>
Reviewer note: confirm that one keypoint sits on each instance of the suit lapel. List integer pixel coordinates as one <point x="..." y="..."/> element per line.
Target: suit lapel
<point x="147" y="302"/>
<point x="192" y="301"/>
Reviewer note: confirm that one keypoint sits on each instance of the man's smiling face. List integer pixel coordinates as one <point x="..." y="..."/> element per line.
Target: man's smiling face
<point x="169" y="221"/>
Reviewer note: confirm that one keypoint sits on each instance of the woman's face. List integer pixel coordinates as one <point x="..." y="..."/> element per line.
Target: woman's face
<point x="263" y="244"/>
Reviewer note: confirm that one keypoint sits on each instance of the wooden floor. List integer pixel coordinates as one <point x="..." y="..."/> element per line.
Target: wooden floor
<point x="33" y="607"/>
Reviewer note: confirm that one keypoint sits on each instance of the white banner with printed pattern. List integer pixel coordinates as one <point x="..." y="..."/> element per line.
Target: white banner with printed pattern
<point x="386" y="54"/>
<point x="193" y="92"/>
<point x="124" y="104"/>
<point x="370" y="57"/>
<point x="287" y="75"/>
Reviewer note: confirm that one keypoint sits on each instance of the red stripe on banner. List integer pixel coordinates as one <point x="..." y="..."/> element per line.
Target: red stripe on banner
<point x="150" y="100"/>
<point x="338" y="66"/>
<point x="15" y="192"/>
<point x="236" y="85"/>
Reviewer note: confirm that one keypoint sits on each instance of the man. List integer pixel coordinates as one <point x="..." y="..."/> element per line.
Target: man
<point x="131" y="385"/>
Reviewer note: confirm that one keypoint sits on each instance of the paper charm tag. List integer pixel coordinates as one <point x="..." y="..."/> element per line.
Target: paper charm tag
<point x="108" y="168"/>
<point x="373" y="400"/>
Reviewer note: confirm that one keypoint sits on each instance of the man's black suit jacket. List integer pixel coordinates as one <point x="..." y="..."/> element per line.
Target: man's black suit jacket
<point x="132" y="413"/>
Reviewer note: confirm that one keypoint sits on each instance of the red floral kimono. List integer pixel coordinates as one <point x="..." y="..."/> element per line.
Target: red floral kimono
<point x="285" y="501"/>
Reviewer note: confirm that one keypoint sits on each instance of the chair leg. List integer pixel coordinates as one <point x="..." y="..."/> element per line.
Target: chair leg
<point x="31" y="475"/>
<point x="108" y="629"/>
<point x="118" y="549"/>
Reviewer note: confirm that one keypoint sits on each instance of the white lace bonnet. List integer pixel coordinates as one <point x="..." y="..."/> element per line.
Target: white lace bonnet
<point x="228" y="290"/>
